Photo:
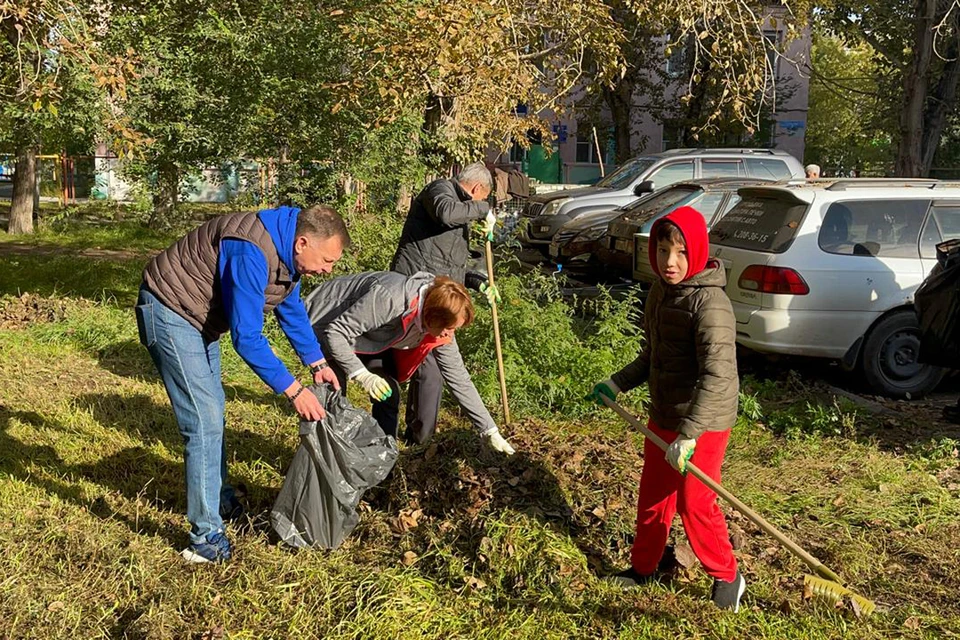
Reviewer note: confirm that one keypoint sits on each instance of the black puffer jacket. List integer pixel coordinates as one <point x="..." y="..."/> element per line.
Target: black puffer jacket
<point x="436" y="234"/>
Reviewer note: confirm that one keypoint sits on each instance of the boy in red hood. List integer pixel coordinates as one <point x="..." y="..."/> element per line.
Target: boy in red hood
<point x="689" y="361"/>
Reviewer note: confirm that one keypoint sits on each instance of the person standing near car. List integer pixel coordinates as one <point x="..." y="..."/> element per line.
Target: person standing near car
<point x="435" y="239"/>
<point x="222" y="277"/>
<point x="812" y="171"/>
<point x="690" y="364"/>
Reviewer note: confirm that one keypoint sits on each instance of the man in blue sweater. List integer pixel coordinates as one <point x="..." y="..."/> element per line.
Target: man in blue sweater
<point x="222" y="277"/>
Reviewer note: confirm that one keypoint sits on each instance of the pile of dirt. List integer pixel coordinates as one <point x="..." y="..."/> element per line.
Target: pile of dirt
<point x="20" y="312"/>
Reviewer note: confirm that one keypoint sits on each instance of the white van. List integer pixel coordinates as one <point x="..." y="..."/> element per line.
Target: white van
<point x="829" y="269"/>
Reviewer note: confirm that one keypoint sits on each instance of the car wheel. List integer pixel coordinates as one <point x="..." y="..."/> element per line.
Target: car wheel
<point x="889" y="362"/>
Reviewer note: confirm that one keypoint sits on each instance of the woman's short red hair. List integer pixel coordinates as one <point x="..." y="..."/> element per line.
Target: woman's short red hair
<point x="446" y="303"/>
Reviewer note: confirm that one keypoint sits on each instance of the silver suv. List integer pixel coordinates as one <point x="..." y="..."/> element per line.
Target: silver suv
<point x="546" y="213"/>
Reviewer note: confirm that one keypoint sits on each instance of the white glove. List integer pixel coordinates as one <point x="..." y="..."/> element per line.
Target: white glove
<point x="489" y="224"/>
<point x="498" y="443"/>
<point x="680" y="451"/>
<point x="377" y="387"/>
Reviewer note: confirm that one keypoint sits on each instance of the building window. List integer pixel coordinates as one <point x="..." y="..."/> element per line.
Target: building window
<point x="678" y="60"/>
<point x="771" y="40"/>
<point x="517" y="153"/>
<point x="586" y="150"/>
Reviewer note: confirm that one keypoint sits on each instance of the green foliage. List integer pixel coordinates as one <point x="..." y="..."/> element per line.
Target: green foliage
<point x="749" y="406"/>
<point x="552" y="357"/>
<point x="851" y="125"/>
<point x="811" y="418"/>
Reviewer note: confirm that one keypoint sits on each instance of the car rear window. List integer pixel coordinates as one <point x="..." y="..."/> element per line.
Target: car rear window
<point x="760" y="224"/>
<point x="882" y="228"/>
<point x="768" y="168"/>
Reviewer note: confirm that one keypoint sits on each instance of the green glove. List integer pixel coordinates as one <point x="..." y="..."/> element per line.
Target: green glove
<point x="680" y="451"/>
<point x="377" y="387"/>
<point x="491" y="292"/>
<point x="606" y="388"/>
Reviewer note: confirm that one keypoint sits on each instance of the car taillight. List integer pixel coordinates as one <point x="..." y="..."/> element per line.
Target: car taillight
<point x="764" y="279"/>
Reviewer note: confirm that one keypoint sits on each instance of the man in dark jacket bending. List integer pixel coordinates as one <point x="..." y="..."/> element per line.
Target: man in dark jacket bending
<point x="435" y="239"/>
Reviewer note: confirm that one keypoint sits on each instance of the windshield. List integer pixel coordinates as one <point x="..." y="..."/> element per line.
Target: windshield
<point x="643" y="210"/>
<point x="626" y="174"/>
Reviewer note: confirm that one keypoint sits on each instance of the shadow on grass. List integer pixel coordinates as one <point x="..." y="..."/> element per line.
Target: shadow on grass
<point x="137" y="473"/>
<point x="74" y="275"/>
<point x="130" y="472"/>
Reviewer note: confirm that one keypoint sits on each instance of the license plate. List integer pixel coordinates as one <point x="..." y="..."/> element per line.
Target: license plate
<point x="623" y="244"/>
<point x="544" y="228"/>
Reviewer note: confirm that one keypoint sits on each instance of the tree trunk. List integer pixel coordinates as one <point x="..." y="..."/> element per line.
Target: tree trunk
<point x="619" y="99"/>
<point x="165" y="197"/>
<point x="909" y="162"/>
<point x="942" y="105"/>
<point x="24" y="188"/>
<point x="434" y="111"/>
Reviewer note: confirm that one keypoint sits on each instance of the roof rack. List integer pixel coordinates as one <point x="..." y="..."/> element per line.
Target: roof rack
<point x="720" y="150"/>
<point x="866" y="183"/>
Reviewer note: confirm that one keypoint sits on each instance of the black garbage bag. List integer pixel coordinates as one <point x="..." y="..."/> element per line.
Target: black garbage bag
<point x="937" y="302"/>
<point x="338" y="459"/>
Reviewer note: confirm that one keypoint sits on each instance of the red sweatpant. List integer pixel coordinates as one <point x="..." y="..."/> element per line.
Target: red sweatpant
<point x="663" y="492"/>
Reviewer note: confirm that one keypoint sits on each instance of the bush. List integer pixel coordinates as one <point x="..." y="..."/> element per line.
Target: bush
<point x="552" y="357"/>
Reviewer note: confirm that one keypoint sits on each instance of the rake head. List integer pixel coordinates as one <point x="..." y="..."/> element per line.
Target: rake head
<point x="836" y="592"/>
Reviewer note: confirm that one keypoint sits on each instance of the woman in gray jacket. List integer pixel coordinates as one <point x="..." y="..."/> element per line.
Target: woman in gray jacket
<point x="376" y="329"/>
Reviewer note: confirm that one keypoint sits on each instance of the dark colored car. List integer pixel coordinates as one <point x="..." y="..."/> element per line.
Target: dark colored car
<point x="712" y="197"/>
<point x="576" y="242"/>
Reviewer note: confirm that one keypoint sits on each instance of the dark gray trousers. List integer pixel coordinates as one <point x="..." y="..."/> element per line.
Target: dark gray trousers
<point x="423" y="396"/>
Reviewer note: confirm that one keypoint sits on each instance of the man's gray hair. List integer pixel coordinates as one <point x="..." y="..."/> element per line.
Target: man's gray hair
<point x="812" y="168"/>
<point x="321" y="221"/>
<point x="476" y="173"/>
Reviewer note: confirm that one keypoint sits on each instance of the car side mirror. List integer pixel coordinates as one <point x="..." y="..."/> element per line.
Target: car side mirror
<point x="643" y="188"/>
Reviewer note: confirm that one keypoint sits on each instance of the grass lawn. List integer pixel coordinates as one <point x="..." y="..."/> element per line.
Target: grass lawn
<point x="460" y="542"/>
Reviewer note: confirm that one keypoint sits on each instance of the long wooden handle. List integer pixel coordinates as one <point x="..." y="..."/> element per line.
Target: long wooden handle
<point x="496" y="337"/>
<point x="752" y="515"/>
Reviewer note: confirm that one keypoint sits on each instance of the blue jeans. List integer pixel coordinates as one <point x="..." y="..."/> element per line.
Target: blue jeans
<point x="189" y="365"/>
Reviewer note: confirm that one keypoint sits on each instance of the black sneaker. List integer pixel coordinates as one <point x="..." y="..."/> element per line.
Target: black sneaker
<point x="726" y="595"/>
<point x="628" y="578"/>
<point x="951" y="413"/>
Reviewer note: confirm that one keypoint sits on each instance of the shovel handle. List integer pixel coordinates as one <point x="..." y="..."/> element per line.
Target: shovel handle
<point x="752" y="515"/>
<point x="496" y="337"/>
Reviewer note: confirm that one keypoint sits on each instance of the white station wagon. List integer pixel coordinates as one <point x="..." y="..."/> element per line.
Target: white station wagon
<point x="829" y="268"/>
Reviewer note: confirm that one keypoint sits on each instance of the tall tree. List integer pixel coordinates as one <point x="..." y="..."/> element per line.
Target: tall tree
<point x="478" y="71"/>
<point x="919" y="43"/>
<point x="56" y="84"/>
<point x="225" y="82"/>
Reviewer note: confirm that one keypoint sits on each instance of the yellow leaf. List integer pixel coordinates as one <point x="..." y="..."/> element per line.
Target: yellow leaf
<point x="37" y="105"/>
<point x="53" y="109"/>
